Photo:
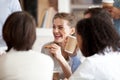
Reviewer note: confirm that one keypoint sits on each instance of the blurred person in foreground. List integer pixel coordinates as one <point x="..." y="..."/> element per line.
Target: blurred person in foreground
<point x="99" y="42"/>
<point x="20" y="62"/>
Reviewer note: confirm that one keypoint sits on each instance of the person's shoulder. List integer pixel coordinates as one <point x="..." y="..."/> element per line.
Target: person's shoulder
<point x="39" y="54"/>
<point x="46" y="58"/>
<point x="43" y="47"/>
<point x="92" y="60"/>
<point x="47" y="43"/>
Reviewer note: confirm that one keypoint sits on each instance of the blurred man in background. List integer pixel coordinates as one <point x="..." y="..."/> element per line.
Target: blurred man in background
<point x="113" y="6"/>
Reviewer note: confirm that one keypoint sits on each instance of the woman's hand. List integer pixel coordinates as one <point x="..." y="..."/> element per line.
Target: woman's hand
<point x="55" y="50"/>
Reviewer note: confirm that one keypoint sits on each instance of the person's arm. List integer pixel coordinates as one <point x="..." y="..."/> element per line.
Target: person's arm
<point x="65" y="66"/>
<point x="15" y="5"/>
<point x="56" y="51"/>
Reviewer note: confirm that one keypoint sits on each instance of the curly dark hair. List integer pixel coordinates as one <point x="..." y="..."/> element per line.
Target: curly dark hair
<point x="98" y="11"/>
<point x="97" y="34"/>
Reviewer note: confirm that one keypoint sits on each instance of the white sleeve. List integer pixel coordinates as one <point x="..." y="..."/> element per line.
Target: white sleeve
<point x="15" y="5"/>
<point x="84" y="72"/>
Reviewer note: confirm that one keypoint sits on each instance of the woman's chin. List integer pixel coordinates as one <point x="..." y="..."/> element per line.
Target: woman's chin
<point x="58" y="41"/>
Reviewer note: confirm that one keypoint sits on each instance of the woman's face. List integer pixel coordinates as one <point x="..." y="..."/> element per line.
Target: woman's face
<point x="61" y="30"/>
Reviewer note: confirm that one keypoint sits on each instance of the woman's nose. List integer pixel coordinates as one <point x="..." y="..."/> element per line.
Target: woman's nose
<point x="56" y="30"/>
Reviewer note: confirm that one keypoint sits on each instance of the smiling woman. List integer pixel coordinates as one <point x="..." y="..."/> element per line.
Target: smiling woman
<point x="63" y="26"/>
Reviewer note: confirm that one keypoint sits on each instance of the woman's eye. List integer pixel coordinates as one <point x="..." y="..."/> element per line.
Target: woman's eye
<point x="53" y="27"/>
<point x="60" y="27"/>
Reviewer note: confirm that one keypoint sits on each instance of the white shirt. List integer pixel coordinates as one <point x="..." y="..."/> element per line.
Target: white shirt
<point x="6" y="8"/>
<point x="25" y="65"/>
<point x="99" y="67"/>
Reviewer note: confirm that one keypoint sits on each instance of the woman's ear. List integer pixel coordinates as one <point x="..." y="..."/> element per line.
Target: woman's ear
<point x="72" y="31"/>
